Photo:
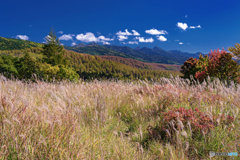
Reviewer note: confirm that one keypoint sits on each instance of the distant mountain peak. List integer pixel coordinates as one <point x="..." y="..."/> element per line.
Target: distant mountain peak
<point x="80" y="45"/>
<point x="137" y="48"/>
<point x="157" y="48"/>
<point x="92" y="44"/>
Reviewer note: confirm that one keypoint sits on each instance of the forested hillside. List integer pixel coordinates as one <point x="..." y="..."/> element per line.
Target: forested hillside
<point x="16" y="44"/>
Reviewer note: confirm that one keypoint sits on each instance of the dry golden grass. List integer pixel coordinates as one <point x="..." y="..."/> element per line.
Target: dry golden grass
<point x="108" y="120"/>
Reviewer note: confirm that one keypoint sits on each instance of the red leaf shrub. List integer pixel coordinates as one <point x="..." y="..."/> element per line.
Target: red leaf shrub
<point x="196" y="121"/>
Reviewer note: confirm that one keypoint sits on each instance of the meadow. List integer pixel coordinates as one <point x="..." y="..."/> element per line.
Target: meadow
<point x="107" y="119"/>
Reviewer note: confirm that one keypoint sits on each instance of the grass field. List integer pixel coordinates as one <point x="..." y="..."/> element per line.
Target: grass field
<point x="118" y="120"/>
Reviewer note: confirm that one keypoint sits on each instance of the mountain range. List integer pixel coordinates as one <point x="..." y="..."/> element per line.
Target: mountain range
<point x="154" y="55"/>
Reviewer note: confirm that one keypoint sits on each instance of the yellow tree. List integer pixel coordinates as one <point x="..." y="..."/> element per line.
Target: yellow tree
<point x="236" y="51"/>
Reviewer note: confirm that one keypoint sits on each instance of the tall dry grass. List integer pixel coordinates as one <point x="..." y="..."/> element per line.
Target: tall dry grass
<point x="110" y="120"/>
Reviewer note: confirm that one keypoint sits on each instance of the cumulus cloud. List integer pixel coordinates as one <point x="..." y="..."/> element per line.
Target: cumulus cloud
<point x="183" y="26"/>
<point x="162" y="38"/>
<point x="194" y="27"/>
<point x="180" y="43"/>
<point x="156" y="32"/>
<point x="122" y="38"/>
<point x="23" y="37"/>
<point x="132" y="42"/>
<point x="88" y="37"/>
<point x="141" y="39"/>
<point x="66" y="37"/>
<point x="61" y="32"/>
<point x="126" y="33"/>
<point x="135" y="33"/>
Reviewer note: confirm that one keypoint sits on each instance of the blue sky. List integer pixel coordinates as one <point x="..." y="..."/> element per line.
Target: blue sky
<point x="186" y="25"/>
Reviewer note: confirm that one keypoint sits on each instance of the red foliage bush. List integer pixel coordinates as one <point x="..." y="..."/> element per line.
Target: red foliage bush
<point x="178" y="119"/>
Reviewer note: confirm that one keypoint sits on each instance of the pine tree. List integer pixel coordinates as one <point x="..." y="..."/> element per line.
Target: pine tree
<point x="53" y="50"/>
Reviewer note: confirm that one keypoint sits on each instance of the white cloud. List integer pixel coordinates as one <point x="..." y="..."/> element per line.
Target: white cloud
<point x="176" y="40"/>
<point x="156" y="32"/>
<point x="106" y="43"/>
<point x="61" y="32"/>
<point x="186" y="16"/>
<point x="122" y="38"/>
<point x="162" y="38"/>
<point x="141" y="39"/>
<point x="126" y="33"/>
<point x="135" y="33"/>
<point x="193" y="27"/>
<point x="104" y="38"/>
<point x="73" y="44"/>
<point x="66" y="37"/>
<point x="132" y="42"/>
<point x="180" y="43"/>
<point x="88" y="37"/>
<point x="183" y="26"/>
<point x="23" y="37"/>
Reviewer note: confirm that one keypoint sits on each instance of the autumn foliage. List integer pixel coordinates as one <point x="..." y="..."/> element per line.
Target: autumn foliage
<point x="218" y="64"/>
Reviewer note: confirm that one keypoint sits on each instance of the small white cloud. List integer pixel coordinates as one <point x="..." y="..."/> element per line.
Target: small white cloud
<point x="132" y="42"/>
<point x="106" y="43"/>
<point x="122" y="38"/>
<point x="73" y="44"/>
<point x="141" y="39"/>
<point x="88" y="37"/>
<point x="104" y="38"/>
<point x="162" y="38"/>
<point x="66" y="37"/>
<point x="156" y="32"/>
<point x="23" y="37"/>
<point x="194" y="27"/>
<point x="198" y="26"/>
<point x="135" y="33"/>
<point x="176" y="40"/>
<point x="180" y="43"/>
<point x="186" y="16"/>
<point x="61" y="32"/>
<point x="126" y="33"/>
<point x="183" y="26"/>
